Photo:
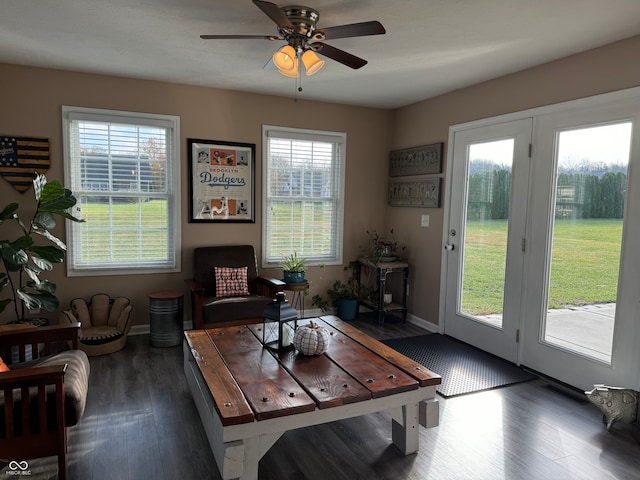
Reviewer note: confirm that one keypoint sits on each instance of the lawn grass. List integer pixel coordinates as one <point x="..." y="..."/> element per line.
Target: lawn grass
<point x="125" y="231"/>
<point x="584" y="270"/>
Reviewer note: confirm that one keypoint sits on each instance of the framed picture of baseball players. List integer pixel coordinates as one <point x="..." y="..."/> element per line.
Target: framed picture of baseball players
<point x="222" y="181"/>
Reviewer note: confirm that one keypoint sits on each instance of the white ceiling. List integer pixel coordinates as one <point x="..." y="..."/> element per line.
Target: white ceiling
<point x="431" y="46"/>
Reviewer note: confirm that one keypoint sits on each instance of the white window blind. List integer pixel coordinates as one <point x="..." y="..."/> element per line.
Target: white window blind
<point x="121" y="168"/>
<point x="303" y="177"/>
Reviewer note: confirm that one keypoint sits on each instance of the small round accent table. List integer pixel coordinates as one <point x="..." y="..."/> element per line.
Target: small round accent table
<point x="165" y="311"/>
<point x="297" y="299"/>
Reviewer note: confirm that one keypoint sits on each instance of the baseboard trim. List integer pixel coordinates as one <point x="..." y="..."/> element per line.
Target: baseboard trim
<point x="312" y="313"/>
<point x="422" y="323"/>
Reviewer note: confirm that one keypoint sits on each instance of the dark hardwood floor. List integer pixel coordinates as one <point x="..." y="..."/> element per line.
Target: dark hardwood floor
<point x="141" y="423"/>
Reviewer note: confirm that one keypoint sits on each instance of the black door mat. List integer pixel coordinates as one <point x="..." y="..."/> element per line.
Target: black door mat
<point x="464" y="369"/>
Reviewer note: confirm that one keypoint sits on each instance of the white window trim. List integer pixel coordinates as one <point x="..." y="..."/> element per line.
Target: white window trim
<point x="173" y="181"/>
<point x="306" y="134"/>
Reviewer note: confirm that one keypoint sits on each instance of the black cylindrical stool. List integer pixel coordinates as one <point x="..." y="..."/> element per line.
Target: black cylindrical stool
<point x="165" y="310"/>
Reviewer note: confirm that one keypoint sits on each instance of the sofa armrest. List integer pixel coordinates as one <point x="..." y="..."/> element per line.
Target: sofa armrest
<point x="54" y="339"/>
<point x="269" y="287"/>
<point x="32" y="376"/>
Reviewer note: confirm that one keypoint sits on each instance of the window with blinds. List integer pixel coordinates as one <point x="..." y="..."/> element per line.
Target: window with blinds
<point x="123" y="169"/>
<point x="303" y="195"/>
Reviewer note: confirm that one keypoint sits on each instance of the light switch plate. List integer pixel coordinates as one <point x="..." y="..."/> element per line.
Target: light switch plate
<point x="424" y="221"/>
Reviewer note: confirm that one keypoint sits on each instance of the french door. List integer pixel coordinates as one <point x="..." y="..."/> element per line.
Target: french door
<point x="487" y="223"/>
<point x="541" y="265"/>
<point x="581" y="277"/>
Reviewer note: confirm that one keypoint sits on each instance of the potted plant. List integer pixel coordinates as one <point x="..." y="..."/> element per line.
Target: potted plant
<point x="23" y="260"/>
<point x="381" y="249"/>
<point x="293" y="268"/>
<point x="343" y="296"/>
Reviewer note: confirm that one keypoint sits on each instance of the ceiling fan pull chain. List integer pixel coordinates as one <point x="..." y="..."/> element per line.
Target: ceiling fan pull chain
<point x="298" y="78"/>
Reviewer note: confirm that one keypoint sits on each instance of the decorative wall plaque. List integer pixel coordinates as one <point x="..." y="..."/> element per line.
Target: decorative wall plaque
<point x="422" y="160"/>
<point x="415" y="192"/>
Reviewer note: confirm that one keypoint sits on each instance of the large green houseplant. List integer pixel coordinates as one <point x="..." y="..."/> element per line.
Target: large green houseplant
<point x="23" y="260"/>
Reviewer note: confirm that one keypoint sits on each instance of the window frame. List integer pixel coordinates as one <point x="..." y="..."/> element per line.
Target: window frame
<point x="339" y="138"/>
<point x="172" y="122"/>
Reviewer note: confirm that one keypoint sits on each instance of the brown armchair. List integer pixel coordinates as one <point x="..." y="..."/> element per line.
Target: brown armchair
<point x="43" y="393"/>
<point x="222" y="296"/>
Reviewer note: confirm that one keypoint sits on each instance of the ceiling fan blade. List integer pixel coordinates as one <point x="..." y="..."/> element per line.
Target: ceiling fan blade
<point x="239" y="37"/>
<point x="272" y="11"/>
<point x="352" y="30"/>
<point x="339" y="55"/>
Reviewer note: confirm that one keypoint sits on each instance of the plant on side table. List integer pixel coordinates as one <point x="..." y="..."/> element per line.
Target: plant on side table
<point x="293" y="268"/>
<point x="381" y="249"/>
<point x="22" y="259"/>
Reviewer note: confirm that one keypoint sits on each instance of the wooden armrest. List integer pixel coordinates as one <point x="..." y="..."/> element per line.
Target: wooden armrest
<point x="194" y="285"/>
<point x="269" y="287"/>
<point x="274" y="282"/>
<point x="40" y="334"/>
<point x="25" y="377"/>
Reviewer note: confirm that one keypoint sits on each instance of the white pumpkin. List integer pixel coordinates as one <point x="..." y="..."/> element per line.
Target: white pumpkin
<point x="311" y="339"/>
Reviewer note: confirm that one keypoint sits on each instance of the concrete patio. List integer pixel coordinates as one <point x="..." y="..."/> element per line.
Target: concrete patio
<point x="586" y="329"/>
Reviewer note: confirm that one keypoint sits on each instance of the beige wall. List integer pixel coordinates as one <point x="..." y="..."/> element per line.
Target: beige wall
<point x="31" y="106"/>
<point x="606" y="69"/>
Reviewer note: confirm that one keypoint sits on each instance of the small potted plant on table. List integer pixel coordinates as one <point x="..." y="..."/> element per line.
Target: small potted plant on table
<point x="293" y="268"/>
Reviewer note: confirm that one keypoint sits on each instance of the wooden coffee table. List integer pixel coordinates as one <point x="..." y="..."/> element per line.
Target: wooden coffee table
<point x="248" y="396"/>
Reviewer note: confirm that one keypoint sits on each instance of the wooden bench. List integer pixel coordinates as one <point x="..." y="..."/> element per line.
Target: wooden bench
<point x="43" y="394"/>
<point x="248" y="396"/>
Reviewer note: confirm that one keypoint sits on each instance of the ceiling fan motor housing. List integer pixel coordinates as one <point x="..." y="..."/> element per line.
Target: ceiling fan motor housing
<point x="304" y="20"/>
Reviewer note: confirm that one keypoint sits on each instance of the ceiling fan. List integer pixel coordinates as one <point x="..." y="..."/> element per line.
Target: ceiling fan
<point x="297" y="25"/>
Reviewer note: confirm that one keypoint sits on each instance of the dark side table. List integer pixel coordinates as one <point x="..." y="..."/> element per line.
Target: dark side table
<point x="297" y="297"/>
<point x="382" y="270"/>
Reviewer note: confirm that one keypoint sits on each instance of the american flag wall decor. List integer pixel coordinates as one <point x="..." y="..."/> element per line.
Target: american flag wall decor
<point x="21" y="158"/>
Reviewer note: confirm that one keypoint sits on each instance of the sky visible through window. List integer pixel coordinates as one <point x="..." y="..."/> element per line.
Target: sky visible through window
<point x="604" y="144"/>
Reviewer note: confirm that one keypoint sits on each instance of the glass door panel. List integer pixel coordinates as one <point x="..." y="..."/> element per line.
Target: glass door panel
<point x="591" y="183"/>
<point x="486" y="230"/>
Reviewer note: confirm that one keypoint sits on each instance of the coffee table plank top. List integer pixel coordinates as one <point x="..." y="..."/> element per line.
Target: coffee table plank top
<point x="380" y="377"/>
<point x="328" y="384"/>
<point x="249" y="382"/>
<point x="269" y="388"/>
<point x="421" y="373"/>
<point x="228" y="398"/>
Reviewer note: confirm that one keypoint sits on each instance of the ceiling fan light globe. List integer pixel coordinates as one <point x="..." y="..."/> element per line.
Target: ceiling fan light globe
<point x="312" y="62"/>
<point x="292" y="73"/>
<point x="285" y="58"/>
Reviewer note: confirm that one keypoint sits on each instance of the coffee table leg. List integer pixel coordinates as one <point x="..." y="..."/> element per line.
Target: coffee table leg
<point x="429" y="413"/>
<point x="405" y="429"/>
<point x="253" y="450"/>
